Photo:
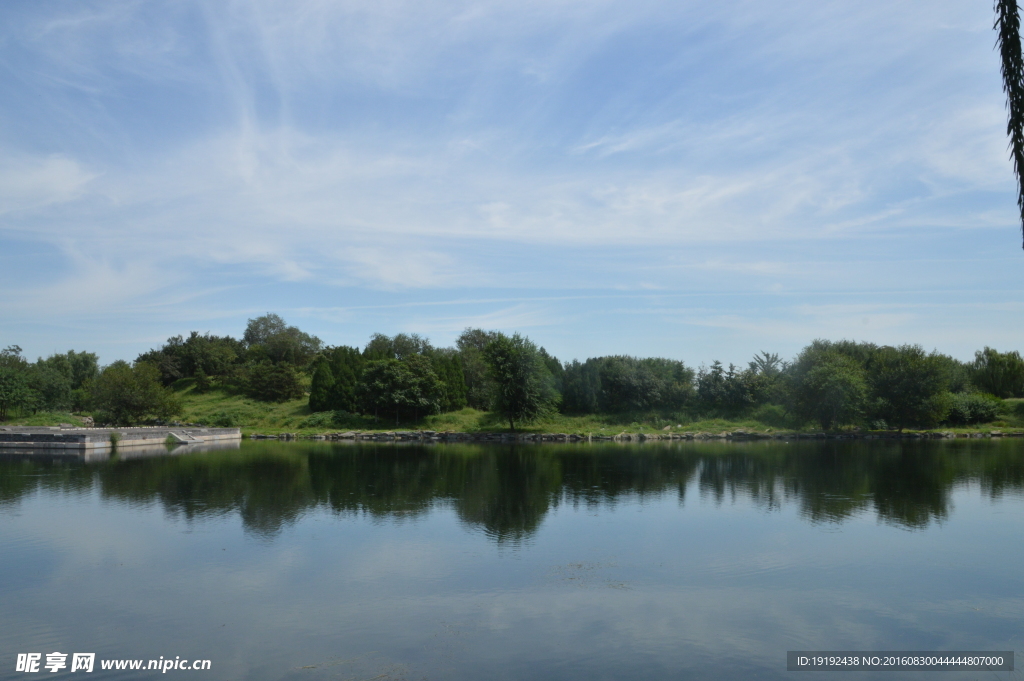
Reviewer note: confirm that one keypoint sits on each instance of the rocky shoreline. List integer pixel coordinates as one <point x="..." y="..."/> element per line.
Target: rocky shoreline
<point x="735" y="435"/>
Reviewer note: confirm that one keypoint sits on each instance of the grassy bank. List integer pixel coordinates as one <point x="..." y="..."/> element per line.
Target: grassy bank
<point x="223" y="408"/>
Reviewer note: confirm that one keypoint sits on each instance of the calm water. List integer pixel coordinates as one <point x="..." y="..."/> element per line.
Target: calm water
<point x="313" y="561"/>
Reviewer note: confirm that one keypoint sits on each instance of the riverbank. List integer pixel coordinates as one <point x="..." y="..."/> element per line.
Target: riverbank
<point x="221" y="409"/>
<point x="528" y="437"/>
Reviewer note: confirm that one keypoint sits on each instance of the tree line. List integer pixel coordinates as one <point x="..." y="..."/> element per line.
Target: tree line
<point x="402" y="378"/>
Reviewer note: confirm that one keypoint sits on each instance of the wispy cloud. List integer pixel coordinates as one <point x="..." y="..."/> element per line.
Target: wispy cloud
<point x="396" y="150"/>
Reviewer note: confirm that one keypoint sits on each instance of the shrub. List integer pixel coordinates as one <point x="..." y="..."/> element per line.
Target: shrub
<point x="998" y="373"/>
<point x="273" y="383"/>
<point x="223" y="420"/>
<point x="127" y="394"/>
<point x="828" y="387"/>
<point x="771" y="415"/>
<point x="909" y="387"/>
<point x="325" y="419"/>
<point x="970" y="408"/>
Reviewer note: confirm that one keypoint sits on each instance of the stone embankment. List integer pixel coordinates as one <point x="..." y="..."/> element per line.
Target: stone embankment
<point x="88" y="439"/>
<point x="736" y="435"/>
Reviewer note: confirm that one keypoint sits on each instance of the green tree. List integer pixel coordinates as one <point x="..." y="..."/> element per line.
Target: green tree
<point x="281" y="343"/>
<point x="448" y="367"/>
<point x="1007" y="27"/>
<point x="767" y="364"/>
<point x="15" y="392"/>
<point x="346" y="368"/>
<point x="321" y="392"/>
<point x="479" y="387"/>
<point x="523" y="385"/>
<point x="273" y="382"/>
<point x="202" y="383"/>
<point x="398" y="347"/>
<point x="51" y="387"/>
<point x="909" y="387"/>
<point x="581" y="387"/>
<point x="127" y="394"/>
<point x="185" y="357"/>
<point x="998" y="373"/>
<point x="967" y="409"/>
<point x="405" y="387"/>
<point x="827" y="386"/>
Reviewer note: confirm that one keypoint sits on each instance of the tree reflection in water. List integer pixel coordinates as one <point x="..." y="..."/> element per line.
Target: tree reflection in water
<point x="506" y="491"/>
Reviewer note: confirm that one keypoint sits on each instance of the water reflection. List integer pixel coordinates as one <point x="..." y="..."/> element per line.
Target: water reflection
<point x="507" y="491"/>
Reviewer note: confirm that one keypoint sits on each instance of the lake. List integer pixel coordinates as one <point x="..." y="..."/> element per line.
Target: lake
<point x="676" y="561"/>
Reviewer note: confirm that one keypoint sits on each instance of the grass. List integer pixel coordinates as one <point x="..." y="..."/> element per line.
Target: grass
<point x="46" y="418"/>
<point x="222" y="408"/>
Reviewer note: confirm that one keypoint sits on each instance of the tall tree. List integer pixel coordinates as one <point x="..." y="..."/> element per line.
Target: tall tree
<point x="827" y="385"/>
<point x="404" y="387"/>
<point x="321" y="392"/>
<point x="479" y="388"/>
<point x="1007" y="28"/>
<point x="524" y="388"/>
<point x="999" y="373"/>
<point x="127" y="394"/>
<point x="909" y="387"/>
<point x="15" y="392"/>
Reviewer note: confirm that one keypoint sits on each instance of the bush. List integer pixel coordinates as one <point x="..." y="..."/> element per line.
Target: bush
<point x="273" y="383"/>
<point x="998" y="373"/>
<point x="224" y="420"/>
<point x="127" y="394"/>
<point x="971" y="408"/>
<point x="772" y="415"/>
<point x="827" y="386"/>
<point x="909" y="387"/>
<point x="325" y="419"/>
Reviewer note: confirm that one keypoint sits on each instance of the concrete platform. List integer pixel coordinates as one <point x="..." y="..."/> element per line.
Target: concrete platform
<point x="88" y="439"/>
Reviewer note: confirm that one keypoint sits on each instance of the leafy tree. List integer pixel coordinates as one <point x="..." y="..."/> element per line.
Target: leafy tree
<point x="1007" y="26"/>
<point x="15" y="392"/>
<point x="968" y="409"/>
<point x="321" y="392"/>
<point x="524" y="387"/>
<point x="64" y="381"/>
<point x="958" y="374"/>
<point x="620" y="384"/>
<point x="767" y="364"/>
<point x="281" y="343"/>
<point x="51" y="387"/>
<point x="998" y="373"/>
<point x="730" y="392"/>
<point x="127" y="394"/>
<point x="185" y="357"/>
<point x="273" y="382"/>
<point x="411" y="386"/>
<point x="448" y="367"/>
<point x="581" y="387"/>
<point x="908" y="387"/>
<point x="404" y="387"/>
<point x="202" y="383"/>
<point x="398" y="347"/>
<point x="166" y="363"/>
<point x="627" y="385"/>
<point x="346" y="368"/>
<point x="827" y="386"/>
<point x="479" y="387"/>
<point x="554" y="368"/>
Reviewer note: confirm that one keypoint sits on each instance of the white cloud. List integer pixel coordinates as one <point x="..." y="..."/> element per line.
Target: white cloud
<point x="32" y="183"/>
<point x="396" y="147"/>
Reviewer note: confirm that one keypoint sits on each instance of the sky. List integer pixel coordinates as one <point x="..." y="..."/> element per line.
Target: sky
<point x="694" y="180"/>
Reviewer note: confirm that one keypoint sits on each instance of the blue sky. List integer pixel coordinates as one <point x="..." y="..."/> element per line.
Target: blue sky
<point x="693" y="180"/>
